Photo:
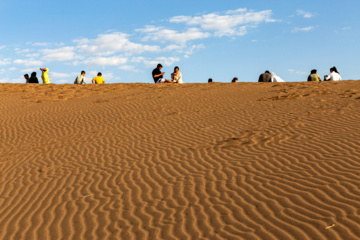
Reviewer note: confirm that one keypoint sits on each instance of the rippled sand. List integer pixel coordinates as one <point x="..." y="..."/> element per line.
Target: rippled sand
<point x="193" y="161"/>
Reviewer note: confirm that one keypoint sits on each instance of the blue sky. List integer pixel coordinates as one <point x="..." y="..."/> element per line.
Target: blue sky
<point x="219" y="39"/>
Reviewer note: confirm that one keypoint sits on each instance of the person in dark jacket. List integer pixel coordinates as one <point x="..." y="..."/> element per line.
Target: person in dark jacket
<point x="33" y="78"/>
<point x="265" y="77"/>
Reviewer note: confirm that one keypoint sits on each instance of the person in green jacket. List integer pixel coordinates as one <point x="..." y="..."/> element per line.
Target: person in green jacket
<point x="314" y="77"/>
<point x="33" y="78"/>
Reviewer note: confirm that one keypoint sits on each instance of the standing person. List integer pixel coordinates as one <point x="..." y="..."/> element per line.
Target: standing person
<point x="99" y="79"/>
<point x="176" y="76"/>
<point x="80" y="79"/>
<point x="333" y="76"/>
<point x="265" y="77"/>
<point x="235" y="79"/>
<point x="33" y="78"/>
<point x="45" y="76"/>
<point x="314" y="77"/>
<point x="275" y="78"/>
<point x="158" y="75"/>
<point x="26" y="76"/>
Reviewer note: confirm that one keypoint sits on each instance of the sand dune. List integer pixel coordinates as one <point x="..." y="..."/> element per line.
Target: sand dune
<point x="192" y="161"/>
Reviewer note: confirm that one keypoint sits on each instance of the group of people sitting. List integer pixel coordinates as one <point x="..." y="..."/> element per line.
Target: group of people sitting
<point x="46" y="79"/>
<point x="158" y="76"/>
<point x="96" y="80"/>
<point x="33" y="78"/>
<point x="270" y="77"/>
<point x="176" y="77"/>
<point x="333" y="76"/>
<point x="313" y="77"/>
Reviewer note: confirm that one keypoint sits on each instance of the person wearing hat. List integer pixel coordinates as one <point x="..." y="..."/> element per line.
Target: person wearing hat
<point x="158" y="76"/>
<point x="314" y="77"/>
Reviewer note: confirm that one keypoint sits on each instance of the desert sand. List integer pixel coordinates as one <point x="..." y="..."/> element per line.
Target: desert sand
<point x="192" y="161"/>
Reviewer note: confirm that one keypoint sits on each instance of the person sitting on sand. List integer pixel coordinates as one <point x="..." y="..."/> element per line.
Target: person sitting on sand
<point x="275" y="78"/>
<point x="210" y="80"/>
<point x="158" y="75"/>
<point x="26" y="76"/>
<point x="333" y="76"/>
<point x="235" y="79"/>
<point x="314" y="77"/>
<point x="33" y="78"/>
<point x="176" y="76"/>
<point x="80" y="79"/>
<point x="99" y="79"/>
<point x="265" y="77"/>
<point x="44" y="76"/>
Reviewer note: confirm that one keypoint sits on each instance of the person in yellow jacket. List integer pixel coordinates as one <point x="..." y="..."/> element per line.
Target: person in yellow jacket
<point x="45" y="76"/>
<point x="99" y="79"/>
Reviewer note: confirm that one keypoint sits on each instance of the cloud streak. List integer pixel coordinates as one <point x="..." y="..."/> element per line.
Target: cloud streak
<point x="232" y="23"/>
<point x="304" y="29"/>
<point x="304" y="14"/>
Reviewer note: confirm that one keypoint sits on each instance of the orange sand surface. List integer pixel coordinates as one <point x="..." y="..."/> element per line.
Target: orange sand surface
<point x="192" y="161"/>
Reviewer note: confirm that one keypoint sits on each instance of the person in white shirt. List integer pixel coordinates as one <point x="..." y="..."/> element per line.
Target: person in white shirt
<point x="333" y="76"/>
<point x="275" y="78"/>
<point x="176" y="76"/>
<point x="80" y="79"/>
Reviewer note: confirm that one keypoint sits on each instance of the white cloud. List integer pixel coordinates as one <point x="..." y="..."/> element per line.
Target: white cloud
<point x="59" y="54"/>
<point x="304" y="14"/>
<point x="108" y="44"/>
<point x="39" y="44"/>
<point x="62" y="81"/>
<point x="172" y="48"/>
<point x="4" y="62"/>
<point x="128" y="68"/>
<point x="166" y="61"/>
<point x="106" y="61"/>
<point x="59" y="75"/>
<point x="162" y="34"/>
<point x="29" y="70"/>
<point x="32" y="55"/>
<point x="18" y="80"/>
<point x="108" y="76"/>
<point x="137" y="59"/>
<point x="28" y="63"/>
<point x="232" y="23"/>
<point x="190" y="51"/>
<point x="2" y="47"/>
<point x="12" y="69"/>
<point x="18" y="51"/>
<point x="304" y="29"/>
<point x="297" y="72"/>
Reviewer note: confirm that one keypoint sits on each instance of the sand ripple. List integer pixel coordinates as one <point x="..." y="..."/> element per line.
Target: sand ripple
<point x="192" y="161"/>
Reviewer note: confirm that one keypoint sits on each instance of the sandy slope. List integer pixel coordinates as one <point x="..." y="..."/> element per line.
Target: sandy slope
<point x="192" y="161"/>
